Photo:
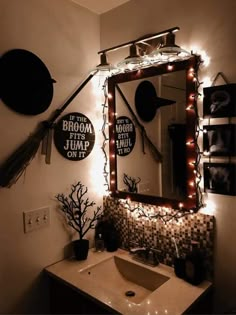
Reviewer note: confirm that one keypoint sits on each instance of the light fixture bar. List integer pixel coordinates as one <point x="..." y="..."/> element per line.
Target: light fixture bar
<point x="140" y="40"/>
<point x="153" y="36"/>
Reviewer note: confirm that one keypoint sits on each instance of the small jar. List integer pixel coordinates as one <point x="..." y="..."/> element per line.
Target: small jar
<point x="194" y="265"/>
<point x="112" y="242"/>
<point x="99" y="243"/>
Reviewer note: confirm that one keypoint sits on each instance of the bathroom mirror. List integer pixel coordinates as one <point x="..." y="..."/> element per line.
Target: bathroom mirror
<point x="168" y="181"/>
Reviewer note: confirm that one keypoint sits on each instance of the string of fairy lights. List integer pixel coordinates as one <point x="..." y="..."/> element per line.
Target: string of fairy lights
<point x="105" y="138"/>
<point x="165" y="214"/>
<point x="197" y="171"/>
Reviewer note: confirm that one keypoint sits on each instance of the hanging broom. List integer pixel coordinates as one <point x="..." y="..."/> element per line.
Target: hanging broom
<point x="12" y="169"/>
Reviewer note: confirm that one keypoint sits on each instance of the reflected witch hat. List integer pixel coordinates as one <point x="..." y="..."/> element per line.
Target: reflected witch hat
<point x="147" y="102"/>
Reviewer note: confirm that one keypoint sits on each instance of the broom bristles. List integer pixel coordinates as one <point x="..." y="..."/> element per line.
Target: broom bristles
<point x="17" y="162"/>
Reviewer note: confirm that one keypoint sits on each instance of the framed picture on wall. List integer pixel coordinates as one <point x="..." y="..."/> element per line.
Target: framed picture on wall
<point x="219" y="101"/>
<point x="219" y="140"/>
<point x="219" y="178"/>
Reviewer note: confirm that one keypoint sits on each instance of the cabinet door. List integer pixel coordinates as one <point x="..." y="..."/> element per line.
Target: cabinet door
<point x="203" y="305"/>
<point x="65" y="299"/>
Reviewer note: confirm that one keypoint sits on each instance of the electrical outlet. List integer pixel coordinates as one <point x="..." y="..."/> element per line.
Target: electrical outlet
<point x="36" y="219"/>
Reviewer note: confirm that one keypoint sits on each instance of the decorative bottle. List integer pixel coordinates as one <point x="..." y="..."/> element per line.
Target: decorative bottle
<point x="194" y="265"/>
<point x="99" y="243"/>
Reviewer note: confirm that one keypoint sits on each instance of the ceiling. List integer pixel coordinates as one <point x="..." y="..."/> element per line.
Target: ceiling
<point x="100" y="6"/>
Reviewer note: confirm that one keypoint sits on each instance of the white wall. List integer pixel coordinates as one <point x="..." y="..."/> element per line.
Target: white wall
<point x="66" y="38"/>
<point x="210" y="25"/>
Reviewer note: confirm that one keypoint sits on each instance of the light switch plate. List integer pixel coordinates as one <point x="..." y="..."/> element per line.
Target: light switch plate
<point x="36" y="219"/>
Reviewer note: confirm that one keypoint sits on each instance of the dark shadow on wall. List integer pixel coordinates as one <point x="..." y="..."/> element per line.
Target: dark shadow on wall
<point x="35" y="300"/>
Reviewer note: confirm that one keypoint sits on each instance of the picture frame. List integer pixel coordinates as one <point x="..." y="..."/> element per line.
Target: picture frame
<point x="219" y="140"/>
<point x="220" y="178"/>
<point x="219" y="101"/>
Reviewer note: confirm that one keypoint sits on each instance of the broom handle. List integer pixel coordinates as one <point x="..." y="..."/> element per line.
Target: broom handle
<point x="58" y="112"/>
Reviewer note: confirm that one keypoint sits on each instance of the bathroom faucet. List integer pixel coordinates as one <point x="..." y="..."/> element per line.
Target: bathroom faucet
<point x="138" y="250"/>
<point x="145" y="255"/>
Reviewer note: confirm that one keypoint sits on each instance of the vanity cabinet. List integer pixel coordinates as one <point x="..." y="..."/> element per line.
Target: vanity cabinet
<point x="203" y="305"/>
<point x="65" y="299"/>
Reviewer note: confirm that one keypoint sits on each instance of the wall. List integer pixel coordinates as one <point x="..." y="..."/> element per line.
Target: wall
<point x="66" y="38"/>
<point x="208" y="25"/>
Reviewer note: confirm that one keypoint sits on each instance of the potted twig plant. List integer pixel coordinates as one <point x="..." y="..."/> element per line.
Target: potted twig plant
<point x="131" y="183"/>
<point x="75" y="208"/>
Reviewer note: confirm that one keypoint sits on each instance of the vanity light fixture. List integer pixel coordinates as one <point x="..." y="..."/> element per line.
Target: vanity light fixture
<point x="133" y="62"/>
<point x="105" y="65"/>
<point x="170" y="51"/>
<point x="146" y="51"/>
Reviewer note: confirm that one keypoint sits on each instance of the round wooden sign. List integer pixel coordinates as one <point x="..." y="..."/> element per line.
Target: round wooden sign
<point x="125" y="135"/>
<point x="74" y="136"/>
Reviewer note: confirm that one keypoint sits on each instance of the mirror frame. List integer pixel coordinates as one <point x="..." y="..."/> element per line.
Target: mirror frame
<point x="191" y="67"/>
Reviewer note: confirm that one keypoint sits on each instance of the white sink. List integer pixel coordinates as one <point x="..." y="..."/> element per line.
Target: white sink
<point x="123" y="277"/>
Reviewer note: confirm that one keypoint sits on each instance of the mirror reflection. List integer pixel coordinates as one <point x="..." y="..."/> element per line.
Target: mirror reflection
<point x="158" y="167"/>
<point x="159" y="178"/>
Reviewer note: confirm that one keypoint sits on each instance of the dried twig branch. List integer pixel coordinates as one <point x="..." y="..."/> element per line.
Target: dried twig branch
<point x="131" y="183"/>
<point x="75" y="208"/>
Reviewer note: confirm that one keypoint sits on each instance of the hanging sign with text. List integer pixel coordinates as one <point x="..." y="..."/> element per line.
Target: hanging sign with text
<point x="125" y="135"/>
<point x="74" y="136"/>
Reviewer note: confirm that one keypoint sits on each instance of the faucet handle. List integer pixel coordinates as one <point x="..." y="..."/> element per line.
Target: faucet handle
<point x="133" y="244"/>
<point x="154" y="250"/>
<point x="137" y="249"/>
<point x="153" y="256"/>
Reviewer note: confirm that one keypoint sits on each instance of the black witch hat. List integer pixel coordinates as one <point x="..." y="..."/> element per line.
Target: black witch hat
<point x="147" y="102"/>
<point x="26" y="85"/>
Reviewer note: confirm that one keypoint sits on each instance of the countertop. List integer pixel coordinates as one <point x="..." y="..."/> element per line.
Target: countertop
<point x="173" y="297"/>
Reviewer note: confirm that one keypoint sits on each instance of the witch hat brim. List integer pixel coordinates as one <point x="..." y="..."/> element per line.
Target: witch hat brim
<point x="164" y="102"/>
<point x="26" y="85"/>
<point x="147" y="102"/>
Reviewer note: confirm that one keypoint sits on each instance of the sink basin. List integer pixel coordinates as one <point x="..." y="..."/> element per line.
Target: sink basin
<point x="124" y="278"/>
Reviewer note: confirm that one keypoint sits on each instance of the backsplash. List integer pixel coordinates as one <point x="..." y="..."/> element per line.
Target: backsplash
<point x="157" y="234"/>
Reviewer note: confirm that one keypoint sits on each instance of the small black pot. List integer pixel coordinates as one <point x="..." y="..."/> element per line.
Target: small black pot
<point x="81" y="248"/>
